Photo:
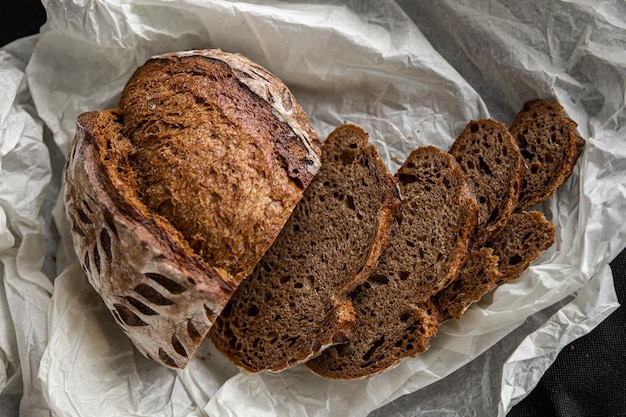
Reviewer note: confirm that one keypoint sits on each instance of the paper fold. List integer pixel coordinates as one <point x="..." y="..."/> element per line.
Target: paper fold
<point x="410" y="75"/>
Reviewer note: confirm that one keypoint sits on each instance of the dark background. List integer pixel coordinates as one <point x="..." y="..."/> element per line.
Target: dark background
<point x="588" y="377"/>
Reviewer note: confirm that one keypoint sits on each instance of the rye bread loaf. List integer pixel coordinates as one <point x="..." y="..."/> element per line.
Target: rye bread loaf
<point x="430" y="236"/>
<point x="175" y="196"/>
<point x="550" y="147"/>
<point x="491" y="160"/>
<point x="295" y="302"/>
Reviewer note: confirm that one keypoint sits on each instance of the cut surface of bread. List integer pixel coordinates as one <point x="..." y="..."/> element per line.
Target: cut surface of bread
<point x="478" y="276"/>
<point x="526" y="236"/>
<point x="295" y="302"/>
<point x="174" y="196"/>
<point x="550" y="146"/>
<point x="491" y="160"/>
<point x="430" y="236"/>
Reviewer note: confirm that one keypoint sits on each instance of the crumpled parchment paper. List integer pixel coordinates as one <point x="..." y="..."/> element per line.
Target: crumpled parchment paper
<point x="411" y="74"/>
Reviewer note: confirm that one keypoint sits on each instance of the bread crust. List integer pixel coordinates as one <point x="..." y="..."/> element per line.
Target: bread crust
<point x="163" y="288"/>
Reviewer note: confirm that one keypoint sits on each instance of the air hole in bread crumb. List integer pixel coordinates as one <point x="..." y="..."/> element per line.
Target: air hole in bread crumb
<point x="534" y="168"/>
<point x="404" y="275"/>
<point x="484" y="166"/>
<point x="253" y="311"/>
<point x="515" y="259"/>
<point x="526" y="154"/>
<point x="474" y="127"/>
<point x="310" y="281"/>
<point x="373" y="349"/>
<point x="407" y="178"/>
<point x="350" y="202"/>
<point x="347" y="156"/>
<point x="378" y="279"/>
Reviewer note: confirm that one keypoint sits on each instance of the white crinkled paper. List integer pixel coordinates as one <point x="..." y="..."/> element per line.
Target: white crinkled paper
<point x="411" y="75"/>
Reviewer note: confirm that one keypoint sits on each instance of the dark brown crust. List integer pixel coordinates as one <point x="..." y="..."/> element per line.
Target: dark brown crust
<point x="162" y="288"/>
<point x="550" y="147"/>
<point x="307" y="308"/>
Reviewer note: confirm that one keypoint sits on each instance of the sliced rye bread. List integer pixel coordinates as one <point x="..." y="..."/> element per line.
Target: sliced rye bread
<point x="430" y="236"/>
<point x="295" y="303"/>
<point x="526" y="236"/>
<point x="479" y="275"/>
<point x="490" y="158"/>
<point x="550" y="146"/>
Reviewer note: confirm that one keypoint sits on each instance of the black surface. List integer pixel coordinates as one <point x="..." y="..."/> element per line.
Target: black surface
<point x="19" y="18"/>
<point x="588" y="378"/>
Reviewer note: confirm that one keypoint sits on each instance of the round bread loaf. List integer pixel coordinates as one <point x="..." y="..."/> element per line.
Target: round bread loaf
<point x="174" y="196"/>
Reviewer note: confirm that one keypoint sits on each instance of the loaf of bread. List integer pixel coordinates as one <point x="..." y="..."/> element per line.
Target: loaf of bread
<point x="296" y="302"/>
<point x="430" y="236"/>
<point x="550" y="146"/>
<point x="174" y="196"/>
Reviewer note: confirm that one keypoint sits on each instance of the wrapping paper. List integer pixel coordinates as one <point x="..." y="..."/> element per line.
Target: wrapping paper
<point x="410" y="74"/>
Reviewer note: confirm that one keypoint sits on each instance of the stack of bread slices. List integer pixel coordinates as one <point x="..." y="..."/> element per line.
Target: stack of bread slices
<point x="370" y="264"/>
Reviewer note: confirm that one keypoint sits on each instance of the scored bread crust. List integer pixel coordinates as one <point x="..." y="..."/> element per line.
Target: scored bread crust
<point x="163" y="292"/>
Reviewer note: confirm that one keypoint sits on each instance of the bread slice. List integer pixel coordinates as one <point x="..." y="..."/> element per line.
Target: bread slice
<point x="550" y="146"/>
<point x="296" y="302"/>
<point x="479" y="275"/>
<point x="430" y="236"/>
<point x="491" y="160"/>
<point x="174" y="196"/>
<point x="526" y="236"/>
